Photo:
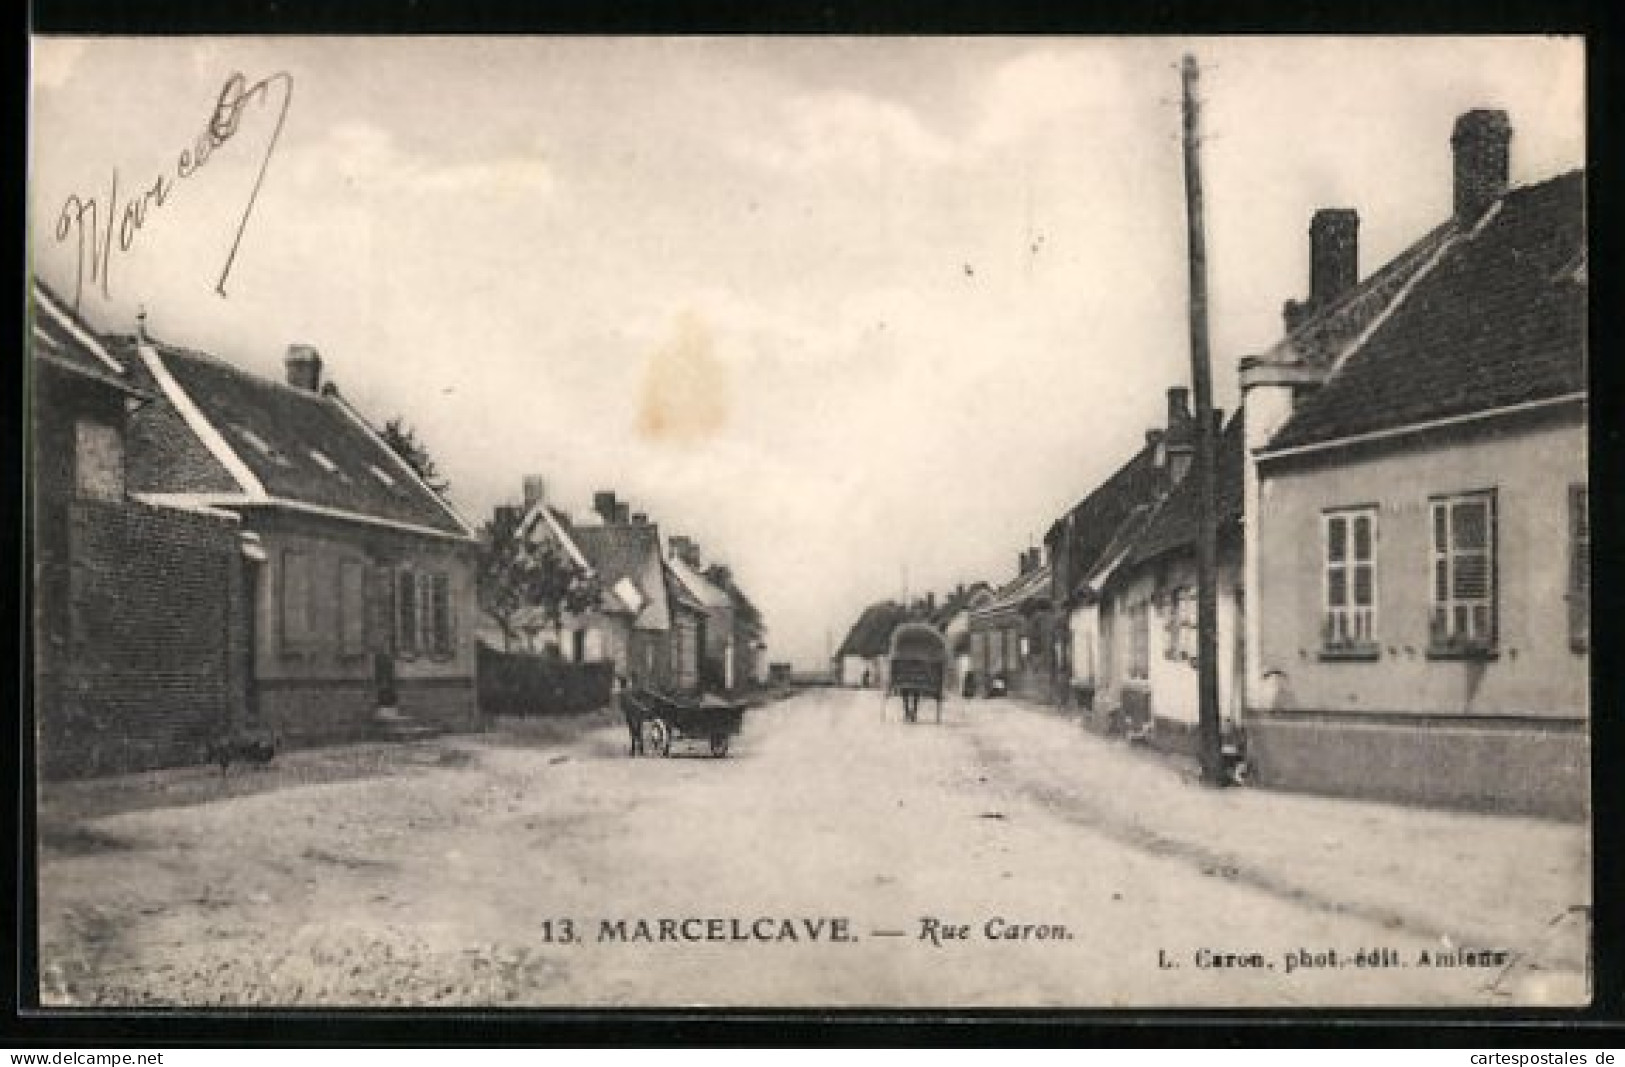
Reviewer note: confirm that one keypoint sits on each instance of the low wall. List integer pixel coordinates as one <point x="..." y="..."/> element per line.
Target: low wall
<point x="1521" y="768"/>
<point x="148" y="669"/>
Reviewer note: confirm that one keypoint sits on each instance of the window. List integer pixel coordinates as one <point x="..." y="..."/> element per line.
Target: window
<point x="1138" y="666"/>
<point x="298" y="616"/>
<point x="1350" y="563"/>
<point x="98" y="460"/>
<point x="1463" y="618"/>
<point x="1579" y="568"/>
<point x="352" y="608"/>
<point x="423" y="614"/>
<point x="1179" y="636"/>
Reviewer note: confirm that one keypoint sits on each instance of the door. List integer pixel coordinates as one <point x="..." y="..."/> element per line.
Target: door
<point x="381" y="633"/>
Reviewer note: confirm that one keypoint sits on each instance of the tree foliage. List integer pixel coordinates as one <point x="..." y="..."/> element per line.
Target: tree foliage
<point x="400" y="437"/>
<point x="518" y="578"/>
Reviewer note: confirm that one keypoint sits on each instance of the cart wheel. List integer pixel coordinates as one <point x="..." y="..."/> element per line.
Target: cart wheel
<point x="719" y="745"/>
<point x="656" y="737"/>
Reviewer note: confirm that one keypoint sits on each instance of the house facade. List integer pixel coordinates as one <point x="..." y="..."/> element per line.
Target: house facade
<point x="719" y="647"/>
<point x="1085" y="547"/>
<point x="1013" y="639"/>
<point x="1418" y="497"/>
<point x="140" y="618"/>
<point x="364" y="596"/>
<point x="1147" y="595"/>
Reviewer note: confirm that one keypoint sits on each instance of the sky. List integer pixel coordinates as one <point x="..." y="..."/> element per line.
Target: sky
<point x="862" y="316"/>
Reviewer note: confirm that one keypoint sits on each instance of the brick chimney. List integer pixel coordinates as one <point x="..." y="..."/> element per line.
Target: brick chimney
<point x="603" y="502"/>
<point x="304" y="366"/>
<point x="1180" y="434"/>
<point x="1179" y="406"/>
<point x="1334" y="254"/>
<point x="535" y="490"/>
<point x="1481" y="147"/>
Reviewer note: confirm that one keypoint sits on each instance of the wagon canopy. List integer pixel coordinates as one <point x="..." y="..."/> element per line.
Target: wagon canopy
<point x="918" y="641"/>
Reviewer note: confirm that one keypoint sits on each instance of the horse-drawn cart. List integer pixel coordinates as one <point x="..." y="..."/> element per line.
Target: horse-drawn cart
<point x="657" y="720"/>
<point x="918" y="661"/>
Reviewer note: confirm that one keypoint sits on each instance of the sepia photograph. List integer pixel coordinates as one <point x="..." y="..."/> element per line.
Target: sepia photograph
<point x="810" y="522"/>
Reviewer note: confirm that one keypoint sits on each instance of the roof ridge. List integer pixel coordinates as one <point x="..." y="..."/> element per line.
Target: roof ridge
<point x="198" y="421"/>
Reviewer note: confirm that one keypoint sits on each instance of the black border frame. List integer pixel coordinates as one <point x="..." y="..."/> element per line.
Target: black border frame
<point x="1603" y="1022"/>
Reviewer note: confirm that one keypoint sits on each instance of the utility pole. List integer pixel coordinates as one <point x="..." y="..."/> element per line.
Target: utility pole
<point x="1207" y="613"/>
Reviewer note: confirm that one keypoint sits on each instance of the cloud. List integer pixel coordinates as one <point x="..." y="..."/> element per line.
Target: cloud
<point x="847" y="129"/>
<point x="360" y="155"/>
<point x="54" y="60"/>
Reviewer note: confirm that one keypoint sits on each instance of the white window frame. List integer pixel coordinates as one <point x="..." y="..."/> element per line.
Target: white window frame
<point x="1348" y="627"/>
<point x="1454" y="626"/>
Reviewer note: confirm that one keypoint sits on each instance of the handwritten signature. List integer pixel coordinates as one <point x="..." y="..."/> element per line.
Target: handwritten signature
<point x="95" y="233"/>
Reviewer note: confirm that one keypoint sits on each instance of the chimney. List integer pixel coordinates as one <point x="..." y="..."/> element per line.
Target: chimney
<point x="535" y="490"/>
<point x="1480" y="146"/>
<point x="720" y="574"/>
<point x="304" y="365"/>
<point x="623" y="513"/>
<point x="640" y="518"/>
<point x="1334" y="254"/>
<point x="677" y="545"/>
<point x="931" y="603"/>
<point x="1179" y="406"/>
<point x="1293" y="314"/>
<point x="603" y="502"/>
<point x="505" y="516"/>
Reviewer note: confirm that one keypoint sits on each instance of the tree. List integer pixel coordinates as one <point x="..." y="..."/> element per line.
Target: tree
<point x="516" y="576"/>
<point x="400" y="437"/>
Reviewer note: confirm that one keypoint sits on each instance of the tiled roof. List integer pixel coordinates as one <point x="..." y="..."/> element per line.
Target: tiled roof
<point x="677" y="592"/>
<point x="1500" y="320"/>
<point x="871" y="634"/>
<point x="300" y="446"/>
<point x="1173" y="525"/>
<point x="699" y="587"/>
<point x="1097" y="521"/>
<point x="630" y="552"/>
<point x="1023" y="591"/>
<point x="746" y="615"/>
<point x="957" y="601"/>
<point x="60" y="338"/>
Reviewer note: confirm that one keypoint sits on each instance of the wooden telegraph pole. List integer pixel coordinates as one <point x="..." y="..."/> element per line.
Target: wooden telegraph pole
<point x="1207" y="614"/>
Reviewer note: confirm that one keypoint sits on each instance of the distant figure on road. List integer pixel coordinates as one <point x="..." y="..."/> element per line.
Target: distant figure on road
<point x="865" y="682"/>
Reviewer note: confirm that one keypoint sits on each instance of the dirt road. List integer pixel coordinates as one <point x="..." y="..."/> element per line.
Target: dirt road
<point x="837" y="857"/>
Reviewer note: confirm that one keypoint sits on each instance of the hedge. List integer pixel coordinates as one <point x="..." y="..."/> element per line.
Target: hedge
<point x="521" y="683"/>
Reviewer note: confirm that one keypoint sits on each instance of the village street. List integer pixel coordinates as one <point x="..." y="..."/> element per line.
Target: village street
<point x="837" y="857"/>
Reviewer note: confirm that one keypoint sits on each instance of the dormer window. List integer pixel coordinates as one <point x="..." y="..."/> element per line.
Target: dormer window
<point x="260" y="445"/>
<point x="252" y="438"/>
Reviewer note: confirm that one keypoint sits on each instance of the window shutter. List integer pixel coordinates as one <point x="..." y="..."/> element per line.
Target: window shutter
<point x="406" y="613"/>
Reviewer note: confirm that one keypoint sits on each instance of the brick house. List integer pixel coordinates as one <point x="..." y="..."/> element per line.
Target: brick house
<point x="366" y="597"/>
<point x="719" y="657"/>
<point x="139" y="621"/>
<point x="1012" y="635"/>
<point x="1417" y="504"/>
